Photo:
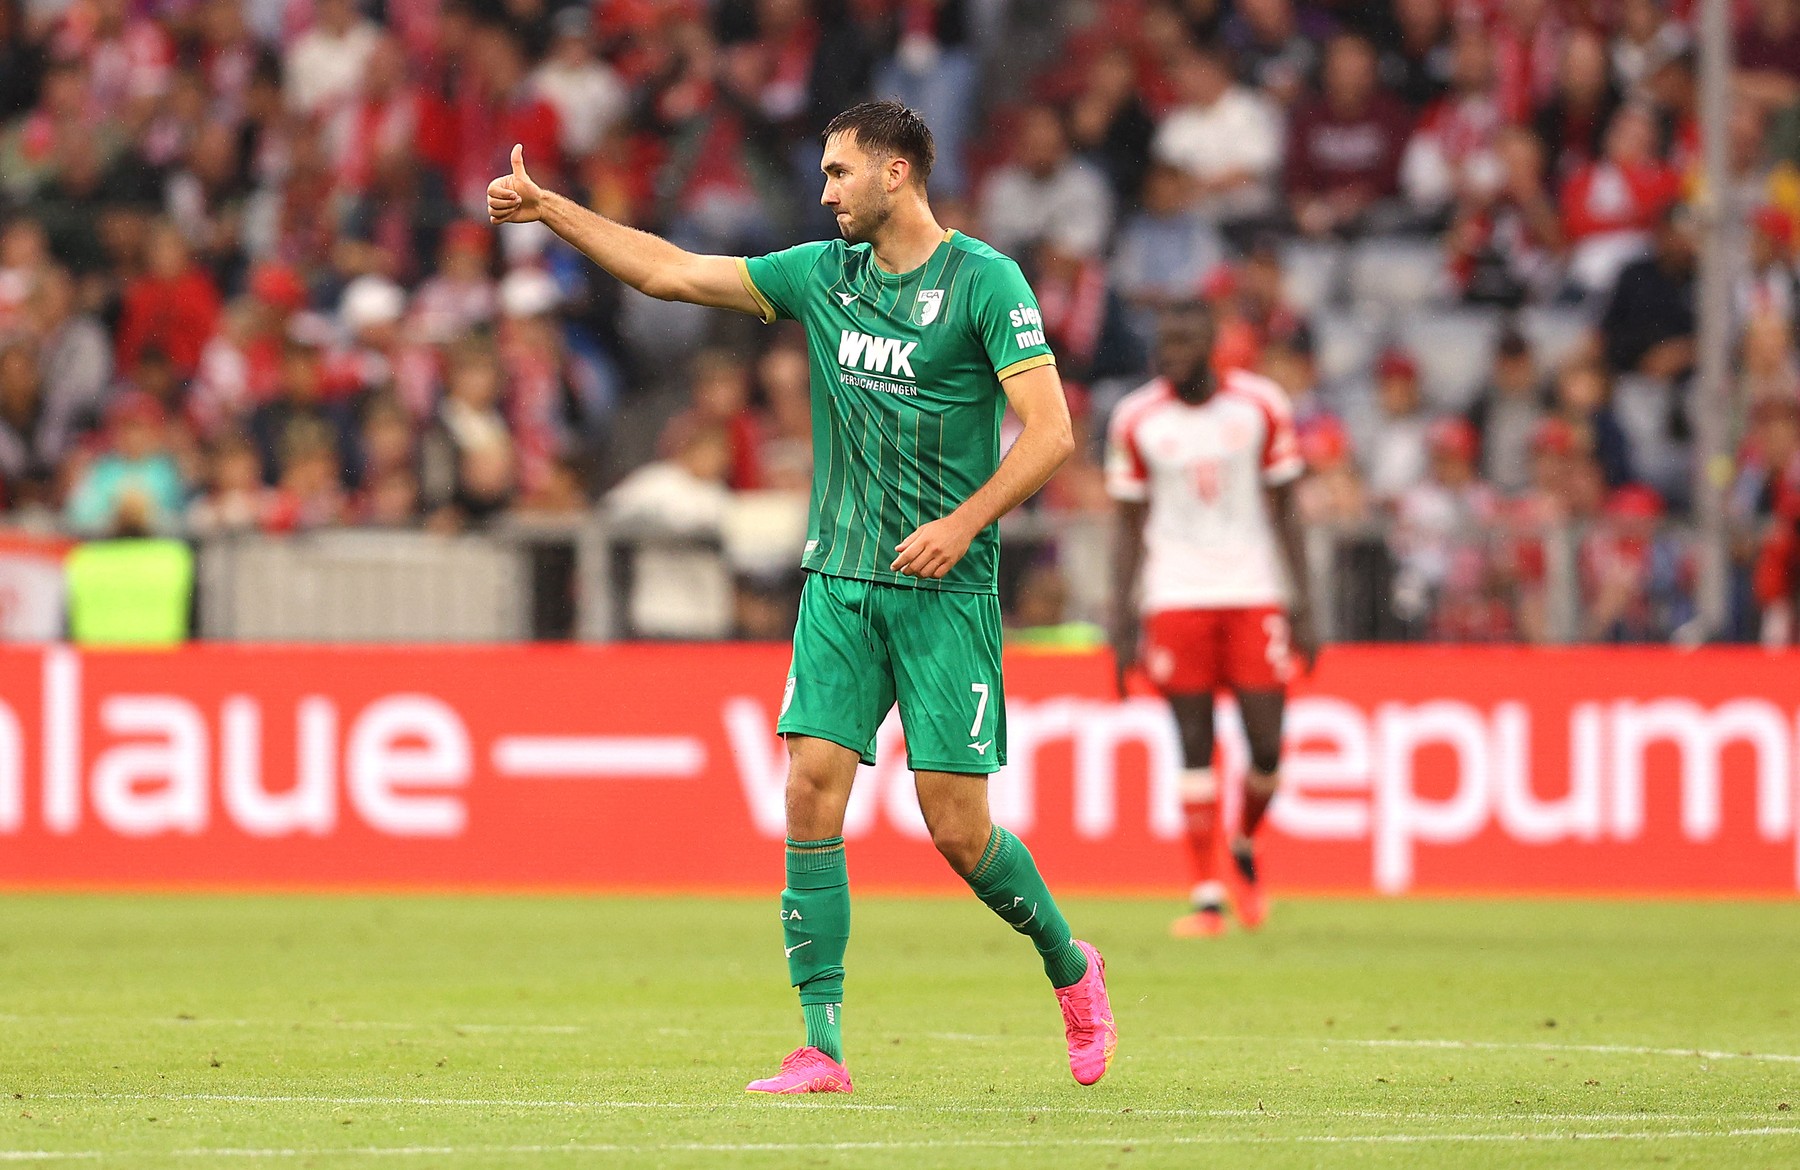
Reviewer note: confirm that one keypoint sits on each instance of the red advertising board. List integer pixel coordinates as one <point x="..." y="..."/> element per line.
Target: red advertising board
<point x="657" y="767"/>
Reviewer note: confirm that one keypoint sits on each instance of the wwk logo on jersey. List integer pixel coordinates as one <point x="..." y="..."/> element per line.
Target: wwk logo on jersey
<point x="931" y="302"/>
<point x="1026" y="315"/>
<point x="875" y="355"/>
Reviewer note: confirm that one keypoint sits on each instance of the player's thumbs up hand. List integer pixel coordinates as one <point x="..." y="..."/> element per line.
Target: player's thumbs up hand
<point x="515" y="198"/>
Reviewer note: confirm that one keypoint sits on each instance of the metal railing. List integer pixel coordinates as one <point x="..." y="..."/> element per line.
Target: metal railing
<point x="586" y="580"/>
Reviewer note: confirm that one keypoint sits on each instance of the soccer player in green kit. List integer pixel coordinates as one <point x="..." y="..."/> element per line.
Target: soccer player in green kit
<point x="919" y="337"/>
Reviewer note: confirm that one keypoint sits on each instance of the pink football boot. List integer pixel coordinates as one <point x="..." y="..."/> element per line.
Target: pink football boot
<point x="805" y="1070"/>
<point x="1088" y="1020"/>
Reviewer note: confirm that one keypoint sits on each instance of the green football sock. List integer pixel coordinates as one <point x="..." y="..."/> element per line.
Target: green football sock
<point x="815" y="917"/>
<point x="1007" y="879"/>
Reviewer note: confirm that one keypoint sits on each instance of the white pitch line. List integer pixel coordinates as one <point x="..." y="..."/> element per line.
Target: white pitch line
<point x="1328" y="1042"/>
<point x="352" y="1025"/>
<point x="1325" y="1042"/>
<point x="858" y="1106"/>
<point x="850" y="1146"/>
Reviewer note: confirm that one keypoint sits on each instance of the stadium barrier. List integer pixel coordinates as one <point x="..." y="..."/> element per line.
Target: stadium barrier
<point x="656" y="767"/>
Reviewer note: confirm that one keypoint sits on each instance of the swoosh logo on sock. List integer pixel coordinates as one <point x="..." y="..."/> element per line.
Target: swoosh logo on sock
<point x="795" y="947"/>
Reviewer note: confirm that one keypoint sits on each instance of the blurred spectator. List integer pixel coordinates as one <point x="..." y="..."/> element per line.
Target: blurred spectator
<point x="1633" y="576"/>
<point x="133" y="488"/>
<point x="1111" y="125"/>
<point x="299" y="404"/>
<point x="21" y="60"/>
<point x="1332" y="494"/>
<point x="501" y="109"/>
<point x="326" y="64"/>
<point x="74" y="360"/>
<point x="174" y="305"/>
<point x="1769" y="285"/>
<point x="586" y="92"/>
<point x="234" y="498"/>
<point x="309" y="493"/>
<point x="1672" y="87"/>
<point x="1344" y="149"/>
<point x="1046" y="195"/>
<point x="1416" y="58"/>
<point x="1771" y="368"/>
<point x="785" y="454"/>
<point x="1645" y="37"/>
<point x="1574" y="123"/>
<point x="535" y="363"/>
<point x="1393" y="446"/>
<point x="1288" y="360"/>
<point x="1610" y="206"/>
<point x="28" y="456"/>
<point x="1528" y="36"/>
<point x="1164" y="252"/>
<point x="460" y="297"/>
<point x="1583" y="400"/>
<point x="685" y="492"/>
<point x="128" y="56"/>
<point x="1452" y="154"/>
<point x="721" y="398"/>
<point x="1505" y="249"/>
<point x="24" y="262"/>
<point x="1224" y="137"/>
<point x="1768" y="53"/>
<point x="369" y="314"/>
<point x="205" y="196"/>
<point x="469" y="463"/>
<point x="390" y="114"/>
<point x="1276" y="45"/>
<point x="1649" y="324"/>
<point x="1768" y="493"/>
<point x="1440" y="541"/>
<point x="240" y="366"/>
<point x="1506" y="413"/>
<point x="933" y="68"/>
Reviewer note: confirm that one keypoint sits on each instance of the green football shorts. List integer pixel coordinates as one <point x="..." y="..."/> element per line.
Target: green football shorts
<point x="860" y="646"/>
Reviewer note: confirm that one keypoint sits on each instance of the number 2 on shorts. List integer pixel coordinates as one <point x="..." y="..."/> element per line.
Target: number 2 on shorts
<point x="981" y="691"/>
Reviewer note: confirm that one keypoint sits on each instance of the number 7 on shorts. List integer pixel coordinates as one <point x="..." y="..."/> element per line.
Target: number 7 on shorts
<point x="981" y="691"/>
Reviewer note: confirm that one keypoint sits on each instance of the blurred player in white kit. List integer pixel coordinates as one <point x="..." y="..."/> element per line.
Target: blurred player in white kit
<point x="1210" y="556"/>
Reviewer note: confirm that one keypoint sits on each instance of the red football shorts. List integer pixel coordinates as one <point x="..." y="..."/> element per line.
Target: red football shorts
<point x="1196" y="651"/>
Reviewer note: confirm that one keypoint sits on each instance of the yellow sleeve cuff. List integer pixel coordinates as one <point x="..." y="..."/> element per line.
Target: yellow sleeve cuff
<point x="762" y="302"/>
<point x="1030" y="363"/>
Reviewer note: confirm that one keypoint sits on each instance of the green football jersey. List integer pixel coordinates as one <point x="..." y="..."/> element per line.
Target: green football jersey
<point x="906" y="400"/>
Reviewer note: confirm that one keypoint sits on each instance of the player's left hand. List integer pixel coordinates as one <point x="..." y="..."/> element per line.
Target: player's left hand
<point x="1303" y="636"/>
<point x="933" y="549"/>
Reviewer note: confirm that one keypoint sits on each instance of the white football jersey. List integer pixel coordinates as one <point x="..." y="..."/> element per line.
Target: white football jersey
<point x="1210" y="542"/>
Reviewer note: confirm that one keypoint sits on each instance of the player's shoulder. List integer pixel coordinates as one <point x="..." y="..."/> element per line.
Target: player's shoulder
<point x="981" y="259"/>
<point x="1266" y="393"/>
<point x="1131" y="409"/>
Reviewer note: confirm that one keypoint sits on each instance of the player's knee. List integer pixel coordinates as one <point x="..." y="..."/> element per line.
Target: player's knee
<point x="1265" y="766"/>
<point x="814" y="804"/>
<point x="961" y="845"/>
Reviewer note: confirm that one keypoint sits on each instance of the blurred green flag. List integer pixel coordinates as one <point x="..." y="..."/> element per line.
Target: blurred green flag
<point x="130" y="592"/>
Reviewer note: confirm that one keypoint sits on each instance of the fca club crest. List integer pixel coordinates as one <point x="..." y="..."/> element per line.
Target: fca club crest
<point x="930" y="301"/>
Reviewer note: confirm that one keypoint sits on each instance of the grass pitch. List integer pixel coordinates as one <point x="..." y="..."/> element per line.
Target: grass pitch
<point x="558" y="1032"/>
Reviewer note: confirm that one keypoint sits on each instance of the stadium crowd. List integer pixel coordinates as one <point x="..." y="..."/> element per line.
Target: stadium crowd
<point x="247" y="283"/>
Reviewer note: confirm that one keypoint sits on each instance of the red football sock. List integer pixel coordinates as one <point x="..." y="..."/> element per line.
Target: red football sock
<point x="1200" y="811"/>
<point x="1259" y="790"/>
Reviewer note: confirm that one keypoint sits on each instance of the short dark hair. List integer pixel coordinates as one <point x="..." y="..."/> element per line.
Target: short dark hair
<point x="888" y="127"/>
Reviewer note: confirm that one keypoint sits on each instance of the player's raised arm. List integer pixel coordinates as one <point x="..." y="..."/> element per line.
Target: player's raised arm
<point x="1036" y="396"/>
<point x="647" y="263"/>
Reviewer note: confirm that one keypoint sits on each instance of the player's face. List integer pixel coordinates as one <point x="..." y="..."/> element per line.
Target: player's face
<point x="1184" y="346"/>
<point x="855" y="188"/>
